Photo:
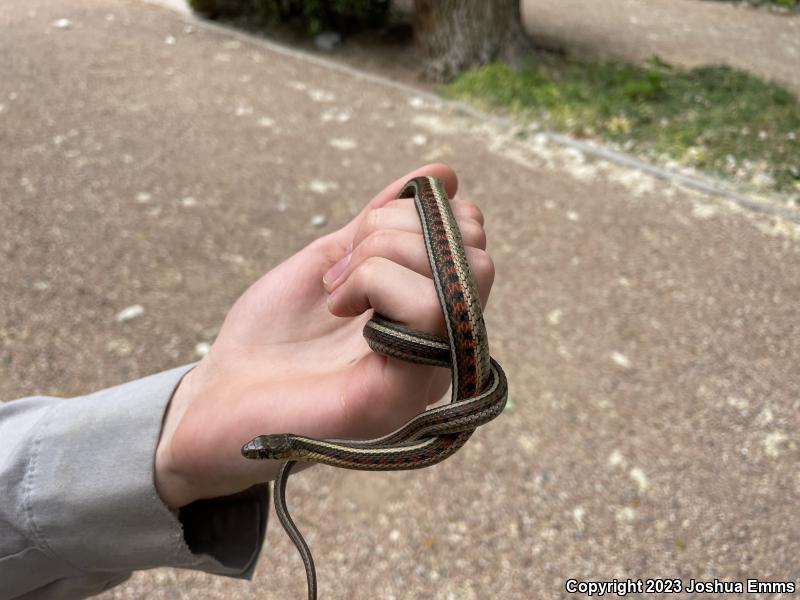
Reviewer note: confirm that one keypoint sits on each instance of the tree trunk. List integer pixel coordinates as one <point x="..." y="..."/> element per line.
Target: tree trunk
<point x="459" y="34"/>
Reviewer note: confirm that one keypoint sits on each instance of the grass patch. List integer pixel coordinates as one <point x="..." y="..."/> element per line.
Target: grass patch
<point x="715" y="119"/>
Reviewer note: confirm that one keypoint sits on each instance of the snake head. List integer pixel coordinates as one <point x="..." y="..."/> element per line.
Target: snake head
<point x="275" y="447"/>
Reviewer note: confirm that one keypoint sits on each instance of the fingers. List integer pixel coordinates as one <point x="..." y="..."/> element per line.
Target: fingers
<point x="392" y="290"/>
<point x="394" y="279"/>
<point x="407" y="250"/>
<point x="387" y="269"/>
<point x="389" y="237"/>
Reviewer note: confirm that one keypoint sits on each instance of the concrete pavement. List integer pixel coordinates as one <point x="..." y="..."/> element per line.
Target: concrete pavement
<point x="650" y="334"/>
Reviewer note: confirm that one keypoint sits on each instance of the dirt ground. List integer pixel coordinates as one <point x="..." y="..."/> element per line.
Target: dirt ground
<point x="650" y="334"/>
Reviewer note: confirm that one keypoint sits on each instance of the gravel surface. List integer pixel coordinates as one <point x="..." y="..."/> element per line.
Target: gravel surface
<point x="151" y="170"/>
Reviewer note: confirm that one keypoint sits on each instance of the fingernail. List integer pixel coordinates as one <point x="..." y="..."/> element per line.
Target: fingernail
<point x="336" y="270"/>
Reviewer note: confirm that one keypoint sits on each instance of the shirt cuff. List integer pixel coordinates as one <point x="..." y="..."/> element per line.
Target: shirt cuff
<point x="92" y="500"/>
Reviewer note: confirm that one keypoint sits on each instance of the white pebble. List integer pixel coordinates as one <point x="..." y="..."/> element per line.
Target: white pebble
<point x="340" y="116"/>
<point x="773" y="443"/>
<point x="189" y="201"/>
<point x="626" y="514"/>
<point x="762" y="180"/>
<point x="615" y="458"/>
<point x="322" y="187"/>
<point x="120" y="347"/>
<point x="577" y="514"/>
<point x="318" y="220"/>
<point x="202" y="348"/>
<point x="575" y="155"/>
<point x="527" y="442"/>
<point x="738" y="403"/>
<point x="419" y="140"/>
<point x="343" y="143"/>
<point x="622" y="360"/>
<point x="266" y="122"/>
<point x="131" y="312"/>
<point x="394" y="535"/>
<point x="169" y="40"/>
<point x="639" y="477"/>
<point x="321" y="96"/>
<point x="765" y="417"/>
<point x="62" y="24"/>
<point x="554" y="316"/>
<point x="143" y="197"/>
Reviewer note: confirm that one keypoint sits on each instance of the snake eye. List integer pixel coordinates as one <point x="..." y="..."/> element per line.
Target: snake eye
<point x="278" y="446"/>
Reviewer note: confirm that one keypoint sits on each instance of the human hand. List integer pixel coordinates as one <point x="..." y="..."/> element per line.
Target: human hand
<point x="291" y="358"/>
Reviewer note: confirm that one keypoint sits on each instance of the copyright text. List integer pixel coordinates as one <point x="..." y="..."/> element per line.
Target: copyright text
<point x="623" y="587"/>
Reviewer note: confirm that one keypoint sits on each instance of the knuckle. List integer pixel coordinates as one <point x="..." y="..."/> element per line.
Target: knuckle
<point x="375" y="243"/>
<point x="366" y="272"/>
<point x="373" y="221"/>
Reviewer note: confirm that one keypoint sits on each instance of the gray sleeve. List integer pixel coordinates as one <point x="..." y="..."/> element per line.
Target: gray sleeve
<point x="79" y="510"/>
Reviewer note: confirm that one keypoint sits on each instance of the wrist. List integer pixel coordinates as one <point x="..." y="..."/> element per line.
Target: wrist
<point x="171" y="485"/>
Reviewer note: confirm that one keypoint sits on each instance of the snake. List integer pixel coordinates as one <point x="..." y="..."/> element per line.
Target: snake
<point x="479" y="385"/>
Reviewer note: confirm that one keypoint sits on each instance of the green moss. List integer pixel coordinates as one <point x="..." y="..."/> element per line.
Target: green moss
<point x="714" y="118"/>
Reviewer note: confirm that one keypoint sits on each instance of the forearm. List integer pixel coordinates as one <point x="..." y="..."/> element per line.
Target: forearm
<point x="80" y="509"/>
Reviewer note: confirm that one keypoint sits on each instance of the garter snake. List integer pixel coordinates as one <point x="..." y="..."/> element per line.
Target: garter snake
<point x="479" y="387"/>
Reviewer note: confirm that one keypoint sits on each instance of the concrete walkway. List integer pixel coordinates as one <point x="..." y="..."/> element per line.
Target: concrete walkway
<point x="683" y="32"/>
<point x="650" y="334"/>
